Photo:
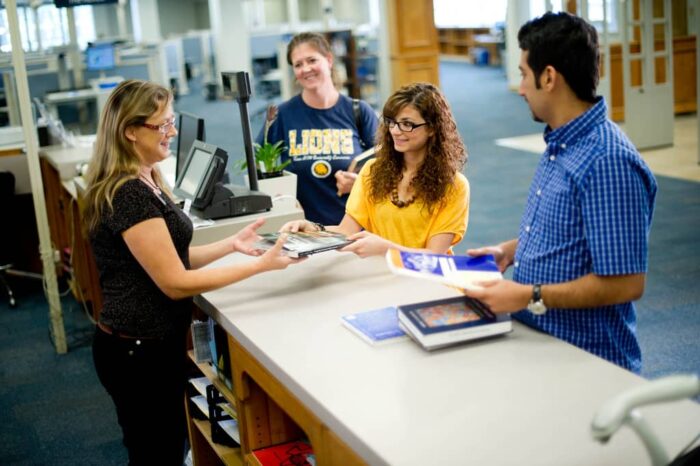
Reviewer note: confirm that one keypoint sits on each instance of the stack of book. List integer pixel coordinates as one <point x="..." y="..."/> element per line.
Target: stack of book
<point x="439" y="323"/>
<point x="445" y="322"/>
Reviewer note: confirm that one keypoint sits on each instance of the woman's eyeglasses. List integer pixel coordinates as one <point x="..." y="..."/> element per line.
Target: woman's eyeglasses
<point x="405" y="126"/>
<point x="162" y="129"/>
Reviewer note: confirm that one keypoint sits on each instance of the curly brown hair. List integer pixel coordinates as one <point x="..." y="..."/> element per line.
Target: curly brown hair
<point x="445" y="154"/>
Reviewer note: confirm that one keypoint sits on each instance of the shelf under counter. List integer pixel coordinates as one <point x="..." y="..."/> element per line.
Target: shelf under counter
<point x="230" y="456"/>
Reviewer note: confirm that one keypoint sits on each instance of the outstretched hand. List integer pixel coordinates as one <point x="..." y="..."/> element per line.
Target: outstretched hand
<point x="244" y="240"/>
<point x="298" y="225"/>
<point x="367" y="244"/>
<point x="275" y="258"/>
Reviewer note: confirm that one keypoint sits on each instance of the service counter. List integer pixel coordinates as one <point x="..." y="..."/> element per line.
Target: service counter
<point x="525" y="398"/>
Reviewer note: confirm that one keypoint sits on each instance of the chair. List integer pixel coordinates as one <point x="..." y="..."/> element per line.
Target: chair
<point x="7" y="239"/>
<point x="622" y="410"/>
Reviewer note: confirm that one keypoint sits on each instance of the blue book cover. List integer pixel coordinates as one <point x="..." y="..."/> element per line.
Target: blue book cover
<point x="375" y="326"/>
<point x="459" y="271"/>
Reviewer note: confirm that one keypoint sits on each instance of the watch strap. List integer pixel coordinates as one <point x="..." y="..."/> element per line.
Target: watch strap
<point x="536" y="293"/>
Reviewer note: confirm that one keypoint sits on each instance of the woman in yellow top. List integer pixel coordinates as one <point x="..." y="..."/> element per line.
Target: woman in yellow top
<point x="413" y="196"/>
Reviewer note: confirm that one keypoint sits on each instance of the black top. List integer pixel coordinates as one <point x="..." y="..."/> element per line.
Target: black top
<point x="133" y="303"/>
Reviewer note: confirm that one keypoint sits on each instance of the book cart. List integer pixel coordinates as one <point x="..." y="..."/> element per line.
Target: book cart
<point x="256" y="397"/>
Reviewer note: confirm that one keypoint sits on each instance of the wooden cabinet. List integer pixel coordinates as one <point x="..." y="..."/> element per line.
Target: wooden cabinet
<point x="684" y="76"/>
<point x="258" y="397"/>
<point x="459" y="41"/>
<point x="413" y="42"/>
<point x="76" y="258"/>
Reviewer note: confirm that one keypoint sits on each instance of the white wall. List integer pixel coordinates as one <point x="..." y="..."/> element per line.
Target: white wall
<point x="105" y="21"/>
<point x="275" y="12"/>
<point x="354" y="12"/>
<point x="179" y="16"/>
<point x="693" y="13"/>
<point x="517" y="13"/>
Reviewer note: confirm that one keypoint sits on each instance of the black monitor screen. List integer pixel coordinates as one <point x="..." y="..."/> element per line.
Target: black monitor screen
<point x="190" y="128"/>
<point x="99" y="57"/>
<point x="203" y="168"/>
<point x="196" y="170"/>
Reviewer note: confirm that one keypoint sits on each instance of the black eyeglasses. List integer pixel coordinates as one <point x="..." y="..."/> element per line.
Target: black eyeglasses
<point x="405" y="126"/>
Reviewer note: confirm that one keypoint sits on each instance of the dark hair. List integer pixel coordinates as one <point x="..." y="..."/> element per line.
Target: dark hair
<point x="445" y="154"/>
<point x="567" y="43"/>
<point x="316" y="40"/>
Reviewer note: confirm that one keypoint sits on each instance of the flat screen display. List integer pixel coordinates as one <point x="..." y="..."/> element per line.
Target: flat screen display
<point x="190" y="128"/>
<point x="204" y="168"/>
<point x="193" y="176"/>
<point x="99" y="57"/>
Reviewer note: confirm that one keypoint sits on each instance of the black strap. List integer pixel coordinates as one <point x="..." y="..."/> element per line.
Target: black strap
<point x="358" y="120"/>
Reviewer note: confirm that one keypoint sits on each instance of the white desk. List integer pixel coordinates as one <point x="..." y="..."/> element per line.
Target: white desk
<point x="54" y="99"/>
<point x="66" y="159"/>
<point x="526" y="398"/>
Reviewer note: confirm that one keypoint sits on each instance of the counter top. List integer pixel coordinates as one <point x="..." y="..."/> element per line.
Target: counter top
<point x="526" y="398"/>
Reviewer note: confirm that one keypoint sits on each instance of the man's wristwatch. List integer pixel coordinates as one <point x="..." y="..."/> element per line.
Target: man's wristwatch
<point x="536" y="305"/>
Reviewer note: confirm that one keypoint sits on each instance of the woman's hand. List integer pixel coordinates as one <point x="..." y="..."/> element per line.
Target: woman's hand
<point x="299" y="225"/>
<point x="344" y="181"/>
<point x="244" y="240"/>
<point x="275" y="259"/>
<point x="367" y="244"/>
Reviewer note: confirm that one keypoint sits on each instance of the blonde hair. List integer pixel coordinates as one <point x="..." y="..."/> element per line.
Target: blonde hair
<point x="114" y="160"/>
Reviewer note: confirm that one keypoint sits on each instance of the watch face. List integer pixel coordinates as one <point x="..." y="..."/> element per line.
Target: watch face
<point x="537" y="307"/>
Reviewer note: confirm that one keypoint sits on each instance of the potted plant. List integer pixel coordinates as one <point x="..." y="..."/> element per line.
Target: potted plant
<point x="267" y="156"/>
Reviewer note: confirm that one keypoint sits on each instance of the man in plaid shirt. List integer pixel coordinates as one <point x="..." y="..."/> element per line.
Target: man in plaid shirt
<point x="580" y="258"/>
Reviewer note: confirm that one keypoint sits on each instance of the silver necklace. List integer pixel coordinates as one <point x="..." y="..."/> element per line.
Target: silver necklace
<point x="154" y="187"/>
<point x="151" y="184"/>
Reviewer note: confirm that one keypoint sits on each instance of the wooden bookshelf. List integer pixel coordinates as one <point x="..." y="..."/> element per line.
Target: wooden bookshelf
<point x="262" y="422"/>
<point x="228" y="455"/>
<point x="457" y="42"/>
<point x="205" y="451"/>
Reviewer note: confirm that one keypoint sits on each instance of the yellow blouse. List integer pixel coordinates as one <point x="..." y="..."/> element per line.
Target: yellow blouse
<point x="410" y="226"/>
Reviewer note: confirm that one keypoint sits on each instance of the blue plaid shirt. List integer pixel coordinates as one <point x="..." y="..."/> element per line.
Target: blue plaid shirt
<point x="589" y="210"/>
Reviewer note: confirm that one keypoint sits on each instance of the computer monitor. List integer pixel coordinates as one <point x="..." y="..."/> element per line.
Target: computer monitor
<point x="204" y="168"/>
<point x="190" y="128"/>
<point x="100" y="57"/>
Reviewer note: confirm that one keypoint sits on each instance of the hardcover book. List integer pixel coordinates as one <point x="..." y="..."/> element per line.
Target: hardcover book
<point x="459" y="271"/>
<point x="378" y="326"/>
<point x="444" y="322"/>
<point x="303" y="244"/>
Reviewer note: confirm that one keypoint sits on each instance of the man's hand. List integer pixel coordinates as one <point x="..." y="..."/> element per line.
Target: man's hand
<point x="502" y="296"/>
<point x="344" y="181"/>
<point x="504" y="253"/>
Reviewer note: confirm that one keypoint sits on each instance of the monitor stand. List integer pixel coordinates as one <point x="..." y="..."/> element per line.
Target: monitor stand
<point x="233" y="200"/>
